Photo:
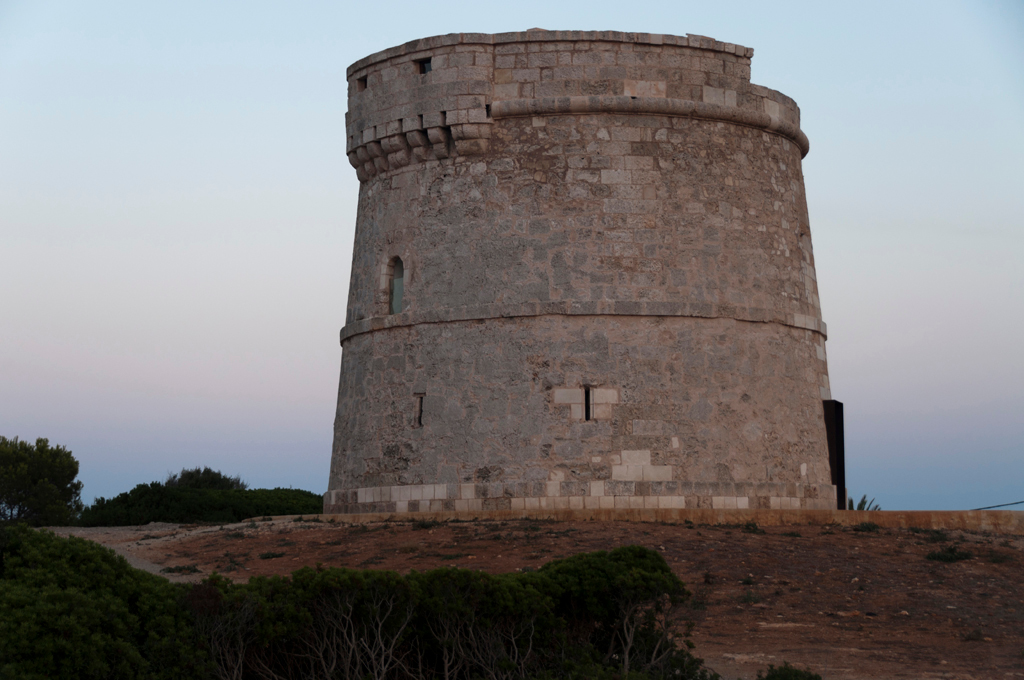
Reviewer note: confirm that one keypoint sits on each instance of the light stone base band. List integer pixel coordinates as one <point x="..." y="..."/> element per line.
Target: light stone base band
<point x="604" y="494"/>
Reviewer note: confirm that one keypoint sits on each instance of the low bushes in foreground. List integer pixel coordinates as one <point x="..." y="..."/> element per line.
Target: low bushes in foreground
<point x="597" y="615"/>
<point x="71" y="608"/>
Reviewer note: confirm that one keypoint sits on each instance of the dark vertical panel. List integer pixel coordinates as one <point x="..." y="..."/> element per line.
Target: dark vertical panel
<point x="836" y="450"/>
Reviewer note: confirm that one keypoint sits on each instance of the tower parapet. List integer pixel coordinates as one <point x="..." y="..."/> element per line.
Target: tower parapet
<point x="582" y="278"/>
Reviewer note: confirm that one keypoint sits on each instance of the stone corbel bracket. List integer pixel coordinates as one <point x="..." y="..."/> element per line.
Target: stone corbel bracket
<point x="424" y="137"/>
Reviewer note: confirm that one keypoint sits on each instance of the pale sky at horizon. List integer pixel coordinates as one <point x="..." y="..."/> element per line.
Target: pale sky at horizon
<point x="177" y="215"/>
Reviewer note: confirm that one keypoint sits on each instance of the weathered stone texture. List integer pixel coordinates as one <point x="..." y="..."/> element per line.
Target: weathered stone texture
<point x="591" y="224"/>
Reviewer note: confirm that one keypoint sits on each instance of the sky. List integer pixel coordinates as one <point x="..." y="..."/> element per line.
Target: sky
<point x="177" y="216"/>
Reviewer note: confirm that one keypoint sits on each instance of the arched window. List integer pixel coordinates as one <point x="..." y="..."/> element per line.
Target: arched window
<point x="396" y="285"/>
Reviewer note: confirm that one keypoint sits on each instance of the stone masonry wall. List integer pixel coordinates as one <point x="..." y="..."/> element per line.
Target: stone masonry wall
<point x="609" y="217"/>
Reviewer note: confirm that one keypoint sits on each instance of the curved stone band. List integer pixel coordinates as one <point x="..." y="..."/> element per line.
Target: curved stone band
<point x="603" y="308"/>
<point x="682" y="108"/>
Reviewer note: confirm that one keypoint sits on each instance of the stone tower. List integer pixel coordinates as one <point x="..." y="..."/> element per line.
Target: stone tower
<point x="582" y="279"/>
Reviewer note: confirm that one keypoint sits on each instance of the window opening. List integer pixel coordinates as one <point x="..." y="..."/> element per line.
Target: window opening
<point x="586" y="403"/>
<point x="423" y="66"/>
<point x="419" y="409"/>
<point x="396" y="286"/>
<point x="360" y="84"/>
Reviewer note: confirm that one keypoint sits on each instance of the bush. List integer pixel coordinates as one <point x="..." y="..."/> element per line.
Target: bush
<point x="156" y="502"/>
<point x="787" y="672"/>
<point x="70" y="608"/>
<point x="599" y="615"/>
<point x="37" y="483"/>
<point x="951" y="553"/>
<point x="205" y="478"/>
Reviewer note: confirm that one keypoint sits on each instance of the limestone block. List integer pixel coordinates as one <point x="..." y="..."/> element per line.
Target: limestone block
<point x="656" y="473"/>
<point x="568" y="395"/>
<point x="642" y="457"/>
<point x="644" y="88"/>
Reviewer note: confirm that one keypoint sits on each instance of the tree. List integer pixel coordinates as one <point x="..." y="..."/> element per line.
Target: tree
<point x="204" y="478"/>
<point x="37" y="483"/>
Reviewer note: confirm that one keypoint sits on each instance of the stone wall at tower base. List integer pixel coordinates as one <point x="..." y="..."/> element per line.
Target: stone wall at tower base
<point x="598" y="495"/>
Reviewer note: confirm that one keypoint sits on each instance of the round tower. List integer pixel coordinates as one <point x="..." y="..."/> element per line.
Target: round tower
<point x="582" y="279"/>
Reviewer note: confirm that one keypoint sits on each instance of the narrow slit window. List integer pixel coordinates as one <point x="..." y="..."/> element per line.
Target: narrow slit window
<point x="419" y="409"/>
<point x="396" y="285"/>
<point x="587" y="400"/>
<point x="423" y="66"/>
<point x="360" y="84"/>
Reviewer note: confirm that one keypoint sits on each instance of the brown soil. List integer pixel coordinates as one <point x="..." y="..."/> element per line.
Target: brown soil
<point x="843" y="603"/>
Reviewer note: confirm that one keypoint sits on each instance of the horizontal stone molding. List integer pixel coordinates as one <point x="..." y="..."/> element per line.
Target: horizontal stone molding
<point x="553" y="106"/>
<point x="599" y="308"/>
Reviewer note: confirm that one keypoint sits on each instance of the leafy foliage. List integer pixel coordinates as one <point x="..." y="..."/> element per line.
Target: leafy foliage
<point x="37" y="483"/>
<point x="598" y="615"/>
<point x="787" y="672"/>
<point x="72" y="609"/>
<point x="864" y="504"/>
<point x="951" y="553"/>
<point x="204" y="478"/>
<point x="156" y="502"/>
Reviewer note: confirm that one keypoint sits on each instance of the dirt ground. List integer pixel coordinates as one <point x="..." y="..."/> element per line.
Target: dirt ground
<point x="844" y="603"/>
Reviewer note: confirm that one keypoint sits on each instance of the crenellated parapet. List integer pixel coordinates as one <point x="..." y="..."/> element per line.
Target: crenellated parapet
<point x="437" y="98"/>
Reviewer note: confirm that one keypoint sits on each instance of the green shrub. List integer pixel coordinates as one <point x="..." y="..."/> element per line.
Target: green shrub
<point x="205" y="478"/>
<point x="864" y="504"/>
<point x="37" y="483"/>
<point x="867" y="527"/>
<point x="951" y="553"/>
<point x="70" y="608"/>
<point x="931" y="535"/>
<point x="156" y="502"/>
<point x="599" y="615"/>
<point x="787" y="672"/>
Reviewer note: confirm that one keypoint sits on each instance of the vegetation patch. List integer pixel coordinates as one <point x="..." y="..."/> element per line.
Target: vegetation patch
<point x="181" y="569"/>
<point x="951" y="553"/>
<point x="182" y="504"/>
<point x="931" y="535"/>
<point x="867" y="527"/>
<point x="70" y="608"/>
<point x="270" y="555"/>
<point x="787" y="672"/>
<point x="423" y="524"/>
